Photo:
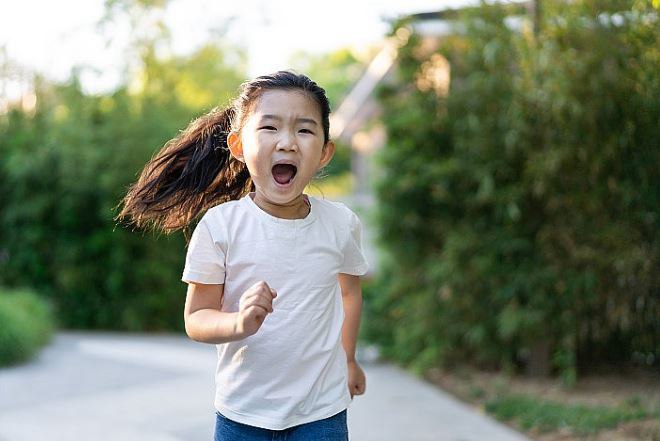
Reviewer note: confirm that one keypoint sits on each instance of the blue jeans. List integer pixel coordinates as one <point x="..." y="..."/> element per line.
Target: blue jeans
<point x="333" y="428"/>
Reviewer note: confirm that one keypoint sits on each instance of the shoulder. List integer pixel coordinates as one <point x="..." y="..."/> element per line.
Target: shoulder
<point x="219" y="216"/>
<point x="336" y="211"/>
<point x="333" y="208"/>
<point x="226" y="210"/>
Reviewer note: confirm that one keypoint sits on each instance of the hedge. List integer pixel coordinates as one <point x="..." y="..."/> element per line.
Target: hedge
<point x="519" y="213"/>
<point x="28" y="324"/>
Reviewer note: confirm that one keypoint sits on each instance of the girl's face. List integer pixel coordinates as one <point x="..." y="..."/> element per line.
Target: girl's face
<point x="283" y="127"/>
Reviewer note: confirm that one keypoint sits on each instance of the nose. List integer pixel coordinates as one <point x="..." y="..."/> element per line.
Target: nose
<point x="287" y="142"/>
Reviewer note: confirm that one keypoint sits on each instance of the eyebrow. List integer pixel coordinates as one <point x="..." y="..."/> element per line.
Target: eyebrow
<point x="300" y="120"/>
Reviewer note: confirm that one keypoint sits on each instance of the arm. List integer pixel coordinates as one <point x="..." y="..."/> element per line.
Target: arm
<point x="352" y="299"/>
<point x="204" y="321"/>
<point x="351" y="293"/>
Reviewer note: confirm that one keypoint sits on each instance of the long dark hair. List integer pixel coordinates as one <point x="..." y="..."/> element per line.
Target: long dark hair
<point x="195" y="170"/>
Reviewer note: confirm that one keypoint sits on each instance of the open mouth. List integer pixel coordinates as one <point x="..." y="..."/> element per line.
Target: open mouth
<point x="284" y="173"/>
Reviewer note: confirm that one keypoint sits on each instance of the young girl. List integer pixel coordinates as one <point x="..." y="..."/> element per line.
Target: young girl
<point x="272" y="273"/>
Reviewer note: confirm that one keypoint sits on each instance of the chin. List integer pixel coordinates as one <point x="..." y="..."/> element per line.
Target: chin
<point x="277" y="196"/>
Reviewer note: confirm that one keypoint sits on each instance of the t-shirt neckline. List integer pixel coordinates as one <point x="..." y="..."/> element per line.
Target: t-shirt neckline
<point x="247" y="199"/>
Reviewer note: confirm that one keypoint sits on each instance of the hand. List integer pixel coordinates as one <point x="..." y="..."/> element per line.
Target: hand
<point x="357" y="381"/>
<point x="253" y="306"/>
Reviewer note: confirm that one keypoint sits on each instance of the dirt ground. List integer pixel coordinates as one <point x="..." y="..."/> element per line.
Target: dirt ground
<point x="476" y="387"/>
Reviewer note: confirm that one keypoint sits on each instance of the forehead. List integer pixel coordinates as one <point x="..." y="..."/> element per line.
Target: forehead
<point x="287" y="104"/>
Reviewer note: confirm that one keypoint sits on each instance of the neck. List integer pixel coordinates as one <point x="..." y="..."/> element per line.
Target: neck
<point x="298" y="208"/>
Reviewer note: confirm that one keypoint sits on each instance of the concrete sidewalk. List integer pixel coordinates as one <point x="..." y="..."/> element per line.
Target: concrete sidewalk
<point x="126" y="387"/>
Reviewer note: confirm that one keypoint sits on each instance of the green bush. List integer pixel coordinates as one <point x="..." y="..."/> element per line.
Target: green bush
<point x="27" y="325"/>
<point x="520" y="212"/>
<point x="65" y="166"/>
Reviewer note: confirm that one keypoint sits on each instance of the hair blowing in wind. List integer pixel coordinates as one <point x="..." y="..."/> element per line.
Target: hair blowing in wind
<point x="195" y="170"/>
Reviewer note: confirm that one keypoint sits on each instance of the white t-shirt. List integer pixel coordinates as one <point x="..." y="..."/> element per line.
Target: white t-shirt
<point x="294" y="369"/>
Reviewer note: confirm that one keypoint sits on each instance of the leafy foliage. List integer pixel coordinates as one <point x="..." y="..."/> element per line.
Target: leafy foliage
<point x="63" y="171"/>
<point x="65" y="166"/>
<point x="519" y="213"/>
<point x="336" y="72"/>
<point x="27" y="325"/>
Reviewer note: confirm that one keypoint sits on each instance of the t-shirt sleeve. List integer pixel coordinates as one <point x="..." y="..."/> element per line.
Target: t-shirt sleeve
<point x="354" y="261"/>
<point x="205" y="258"/>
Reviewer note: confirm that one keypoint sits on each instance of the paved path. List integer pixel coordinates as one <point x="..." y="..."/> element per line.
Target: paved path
<point x="128" y="387"/>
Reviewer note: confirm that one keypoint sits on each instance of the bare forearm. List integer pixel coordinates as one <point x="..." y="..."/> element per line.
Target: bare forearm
<point x="351" y="327"/>
<point x="213" y="326"/>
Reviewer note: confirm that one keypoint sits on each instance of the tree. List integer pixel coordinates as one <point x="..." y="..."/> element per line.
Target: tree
<point x="520" y="212"/>
<point x="65" y="169"/>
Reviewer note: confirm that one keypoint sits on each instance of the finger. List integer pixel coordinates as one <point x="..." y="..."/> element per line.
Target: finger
<point x="268" y="295"/>
<point x="265" y="294"/>
<point x="255" y="310"/>
<point x="267" y="300"/>
<point x="247" y="298"/>
<point x="255" y="315"/>
<point x="264" y="302"/>
<point x="261" y="285"/>
<point x="264" y="305"/>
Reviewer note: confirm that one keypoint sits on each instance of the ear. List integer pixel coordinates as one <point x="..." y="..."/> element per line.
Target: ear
<point x="327" y="153"/>
<point x="235" y="146"/>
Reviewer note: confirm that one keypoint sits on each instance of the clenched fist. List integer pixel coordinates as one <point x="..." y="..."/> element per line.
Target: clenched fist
<point x="253" y="306"/>
<point x="357" y="381"/>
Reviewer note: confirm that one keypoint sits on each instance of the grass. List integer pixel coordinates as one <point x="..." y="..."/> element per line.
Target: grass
<point x="546" y="416"/>
<point x="621" y="405"/>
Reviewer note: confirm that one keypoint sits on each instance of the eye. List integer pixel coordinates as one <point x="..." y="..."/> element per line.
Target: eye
<point x="306" y="131"/>
<point x="267" y="128"/>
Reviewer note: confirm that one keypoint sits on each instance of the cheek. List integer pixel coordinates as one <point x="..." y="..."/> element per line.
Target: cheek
<point x="250" y="148"/>
<point x="256" y="162"/>
<point x="252" y="161"/>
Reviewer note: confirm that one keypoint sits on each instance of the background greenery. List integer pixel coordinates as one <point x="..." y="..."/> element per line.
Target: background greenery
<point x="65" y="165"/>
<point x="336" y="72"/>
<point x="27" y="325"/>
<point x="519" y="214"/>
